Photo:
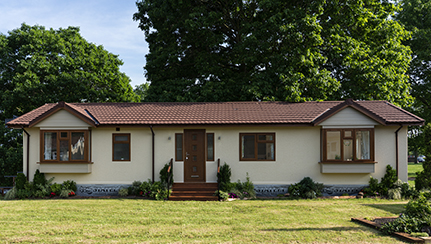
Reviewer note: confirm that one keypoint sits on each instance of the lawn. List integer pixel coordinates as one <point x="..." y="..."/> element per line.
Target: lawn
<point x="412" y="170"/>
<point x="144" y="221"/>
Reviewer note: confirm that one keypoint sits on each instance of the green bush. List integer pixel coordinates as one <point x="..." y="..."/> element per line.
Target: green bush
<point x="164" y="176"/>
<point x="146" y="188"/>
<point x="20" y="181"/>
<point x="11" y="194"/>
<point x="56" y="188"/>
<point x="123" y="192"/>
<point x="70" y="185"/>
<point x="244" y="189"/>
<point x="223" y="178"/>
<point x="423" y="178"/>
<point x="22" y="193"/>
<point x="306" y="188"/>
<point x="39" y="178"/>
<point x="135" y="188"/>
<point x="388" y="180"/>
<point x="65" y="193"/>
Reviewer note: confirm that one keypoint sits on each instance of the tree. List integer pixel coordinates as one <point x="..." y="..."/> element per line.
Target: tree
<point x="273" y="50"/>
<point x="423" y="178"/>
<point x="142" y="91"/>
<point x="39" y="66"/>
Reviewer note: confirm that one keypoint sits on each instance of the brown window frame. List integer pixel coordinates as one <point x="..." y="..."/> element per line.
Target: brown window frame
<point x="213" y="141"/>
<point x="256" y="141"/>
<point x="353" y="138"/>
<point x="122" y="142"/>
<point x="182" y="147"/>
<point x="67" y="138"/>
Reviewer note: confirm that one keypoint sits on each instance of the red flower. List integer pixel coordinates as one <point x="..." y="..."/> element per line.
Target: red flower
<point x="141" y="193"/>
<point x="71" y="194"/>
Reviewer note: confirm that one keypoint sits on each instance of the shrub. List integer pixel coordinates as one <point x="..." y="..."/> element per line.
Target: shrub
<point x="223" y="178"/>
<point x="11" y="194"/>
<point x="22" y="193"/>
<point x="20" y="181"/>
<point x="123" y="192"/>
<point x="56" y="188"/>
<point x="222" y="194"/>
<point x="70" y="185"/>
<point x="146" y="188"/>
<point x="306" y="188"/>
<point x="64" y="193"/>
<point x="245" y="189"/>
<point x="164" y="176"/>
<point x="394" y="193"/>
<point x="423" y="178"/>
<point x="135" y="188"/>
<point x="388" y="180"/>
<point x="39" y="178"/>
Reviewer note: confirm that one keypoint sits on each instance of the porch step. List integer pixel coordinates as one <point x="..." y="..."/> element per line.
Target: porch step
<point x="193" y="192"/>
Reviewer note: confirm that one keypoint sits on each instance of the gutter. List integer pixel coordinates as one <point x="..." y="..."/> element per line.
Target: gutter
<point x="152" y="145"/>
<point x="396" y="149"/>
<point x="28" y="152"/>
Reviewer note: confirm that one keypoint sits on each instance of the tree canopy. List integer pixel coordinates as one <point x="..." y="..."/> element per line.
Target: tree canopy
<point x="227" y="50"/>
<point x="39" y="66"/>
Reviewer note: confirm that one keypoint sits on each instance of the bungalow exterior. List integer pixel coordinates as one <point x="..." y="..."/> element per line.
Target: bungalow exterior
<point x="105" y="146"/>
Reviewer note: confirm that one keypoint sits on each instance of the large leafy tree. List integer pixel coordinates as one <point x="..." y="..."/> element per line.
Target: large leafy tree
<point x="226" y="50"/>
<point x="39" y="66"/>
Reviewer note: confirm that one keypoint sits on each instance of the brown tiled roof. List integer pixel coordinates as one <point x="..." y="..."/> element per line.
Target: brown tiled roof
<point x="221" y="113"/>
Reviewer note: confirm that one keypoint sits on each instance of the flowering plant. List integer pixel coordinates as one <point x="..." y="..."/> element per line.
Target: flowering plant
<point x="52" y="194"/>
<point x="141" y="193"/>
<point x="71" y="194"/>
<point x="233" y="195"/>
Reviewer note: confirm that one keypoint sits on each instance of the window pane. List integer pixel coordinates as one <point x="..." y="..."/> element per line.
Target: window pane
<point x="265" y="138"/>
<point x="363" y="145"/>
<point x="210" y="146"/>
<point x="78" y="145"/>
<point x="248" y="146"/>
<point x="64" y="150"/>
<point x="265" y="151"/>
<point x="333" y="149"/>
<point x="347" y="150"/>
<point x="50" y="150"/>
<point x="179" y="147"/>
<point x="121" y="138"/>
<point x="348" y="133"/>
<point x="63" y="134"/>
<point x="121" y="151"/>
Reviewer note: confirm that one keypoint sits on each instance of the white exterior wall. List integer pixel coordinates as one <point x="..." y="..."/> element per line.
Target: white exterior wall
<point x="297" y="155"/>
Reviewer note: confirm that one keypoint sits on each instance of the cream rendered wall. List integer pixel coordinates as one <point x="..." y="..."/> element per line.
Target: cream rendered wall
<point x="62" y="119"/>
<point x="350" y="117"/>
<point x="34" y="151"/>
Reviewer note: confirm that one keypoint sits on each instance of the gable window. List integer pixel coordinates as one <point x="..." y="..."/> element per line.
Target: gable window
<point x="64" y="146"/>
<point x="257" y="146"/>
<point x="121" y="147"/>
<point x="346" y="145"/>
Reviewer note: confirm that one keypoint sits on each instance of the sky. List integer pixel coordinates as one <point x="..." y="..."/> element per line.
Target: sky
<point x="103" y="22"/>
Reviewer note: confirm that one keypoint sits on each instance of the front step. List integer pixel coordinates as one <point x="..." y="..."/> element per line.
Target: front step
<point x="193" y="192"/>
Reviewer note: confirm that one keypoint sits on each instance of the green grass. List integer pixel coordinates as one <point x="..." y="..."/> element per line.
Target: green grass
<point x="144" y="221"/>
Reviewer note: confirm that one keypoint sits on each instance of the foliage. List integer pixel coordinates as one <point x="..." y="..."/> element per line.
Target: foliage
<point x="47" y="66"/>
<point x="123" y="192"/>
<point x="56" y="188"/>
<point x="164" y="176"/>
<point x="306" y="188"/>
<point x="64" y="193"/>
<point x="39" y="178"/>
<point x="389" y="183"/>
<point x="70" y="185"/>
<point x="416" y="216"/>
<point x="135" y="188"/>
<point x="388" y="180"/>
<point x="244" y="189"/>
<point x="23" y="193"/>
<point x="11" y="194"/>
<point x="20" y="181"/>
<point x="423" y="178"/>
<point x="222" y="194"/>
<point x="394" y="193"/>
<point x="154" y="190"/>
<point x="142" y="91"/>
<point x="223" y="178"/>
<point x="274" y="50"/>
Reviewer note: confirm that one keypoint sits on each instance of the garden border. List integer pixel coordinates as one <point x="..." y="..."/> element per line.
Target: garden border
<point x="400" y="235"/>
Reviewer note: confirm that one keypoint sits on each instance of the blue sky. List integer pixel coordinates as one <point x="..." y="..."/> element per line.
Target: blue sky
<point x="103" y="22"/>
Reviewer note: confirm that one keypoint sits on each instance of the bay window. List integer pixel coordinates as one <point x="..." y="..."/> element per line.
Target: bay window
<point x="348" y="145"/>
<point x="64" y="146"/>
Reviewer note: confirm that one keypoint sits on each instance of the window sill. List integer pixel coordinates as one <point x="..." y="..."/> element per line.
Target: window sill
<point x="347" y="167"/>
<point x="64" y="162"/>
<point x="68" y="168"/>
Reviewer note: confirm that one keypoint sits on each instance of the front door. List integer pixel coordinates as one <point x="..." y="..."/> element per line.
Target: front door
<point x="194" y="155"/>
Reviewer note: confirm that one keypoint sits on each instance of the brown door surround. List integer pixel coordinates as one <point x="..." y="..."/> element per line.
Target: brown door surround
<point x="194" y="155"/>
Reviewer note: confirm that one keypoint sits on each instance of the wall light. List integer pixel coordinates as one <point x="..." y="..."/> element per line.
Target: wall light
<point x="169" y="138"/>
<point x="219" y="138"/>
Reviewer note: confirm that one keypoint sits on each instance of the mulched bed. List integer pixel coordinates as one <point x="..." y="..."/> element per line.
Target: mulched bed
<point x="378" y="222"/>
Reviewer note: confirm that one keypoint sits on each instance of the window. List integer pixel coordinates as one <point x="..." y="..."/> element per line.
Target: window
<point x="257" y="146"/>
<point x="121" y="147"/>
<point x="347" y="145"/>
<point x="178" y="147"/>
<point x="210" y="147"/>
<point x="64" y="146"/>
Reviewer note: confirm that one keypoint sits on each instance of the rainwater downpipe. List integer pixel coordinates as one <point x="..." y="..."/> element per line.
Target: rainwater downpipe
<point x="396" y="149"/>
<point x="152" y="143"/>
<point x="28" y="152"/>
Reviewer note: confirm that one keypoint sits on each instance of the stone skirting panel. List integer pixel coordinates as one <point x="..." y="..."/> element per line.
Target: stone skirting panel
<point x="328" y="190"/>
<point x="99" y="190"/>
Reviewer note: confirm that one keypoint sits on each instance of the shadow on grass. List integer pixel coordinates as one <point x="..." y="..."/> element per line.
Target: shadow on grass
<point x="395" y="209"/>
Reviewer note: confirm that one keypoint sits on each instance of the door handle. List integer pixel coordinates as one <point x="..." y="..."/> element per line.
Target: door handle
<point x="187" y="155"/>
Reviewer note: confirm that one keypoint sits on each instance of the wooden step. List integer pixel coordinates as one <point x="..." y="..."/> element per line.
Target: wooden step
<point x="193" y="192"/>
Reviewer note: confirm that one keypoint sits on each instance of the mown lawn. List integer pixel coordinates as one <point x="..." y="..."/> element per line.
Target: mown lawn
<point x="144" y="221"/>
<point x="412" y="171"/>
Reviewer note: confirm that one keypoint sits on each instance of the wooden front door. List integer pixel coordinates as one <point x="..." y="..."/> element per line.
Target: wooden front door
<point x="194" y="155"/>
